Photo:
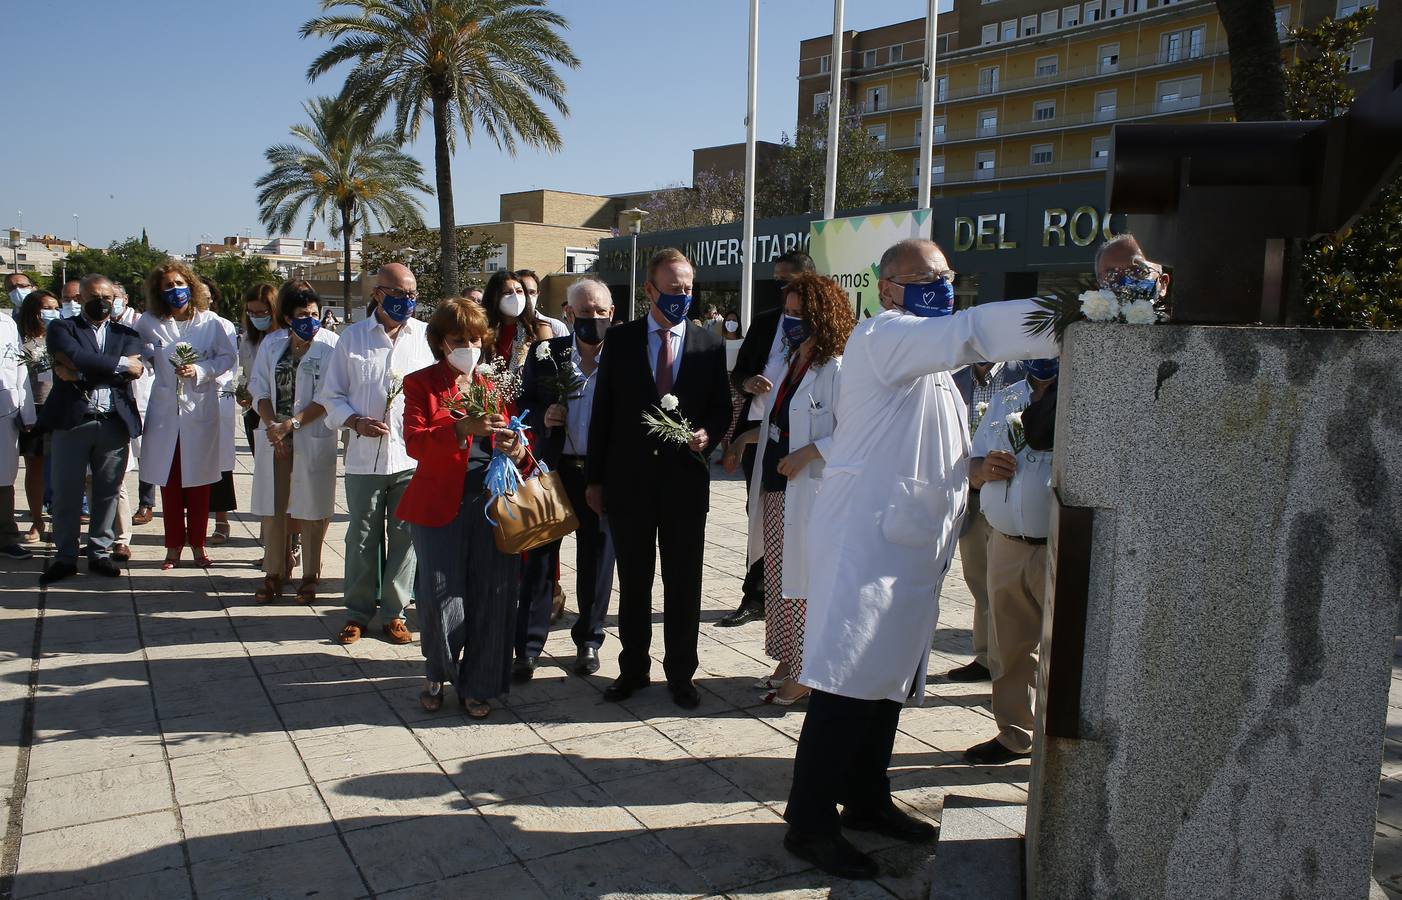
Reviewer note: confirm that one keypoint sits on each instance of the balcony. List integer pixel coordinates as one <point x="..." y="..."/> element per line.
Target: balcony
<point x="1086" y="165"/>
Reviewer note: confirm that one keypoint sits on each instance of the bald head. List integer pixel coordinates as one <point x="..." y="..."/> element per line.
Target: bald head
<point x="396" y="277"/>
<point x="590" y="298"/>
<point x="913" y="256"/>
<point x="72" y="290"/>
<point x="93" y="285"/>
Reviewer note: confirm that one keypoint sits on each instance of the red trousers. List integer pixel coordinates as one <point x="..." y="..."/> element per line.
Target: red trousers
<point x="184" y="510"/>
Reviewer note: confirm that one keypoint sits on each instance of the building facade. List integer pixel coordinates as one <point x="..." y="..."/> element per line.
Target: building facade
<point x="1029" y="90"/>
<point x="38" y="255"/>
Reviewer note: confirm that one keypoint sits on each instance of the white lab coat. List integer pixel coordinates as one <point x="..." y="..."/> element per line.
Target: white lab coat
<point x="16" y="400"/>
<point x="811" y="421"/>
<point x="314" y="448"/>
<point x="228" y="405"/>
<point x="140" y="389"/>
<point x="884" y="525"/>
<point x="197" y="426"/>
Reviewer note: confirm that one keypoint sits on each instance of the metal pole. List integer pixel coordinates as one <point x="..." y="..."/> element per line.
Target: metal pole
<point x="633" y="278"/>
<point x="748" y="240"/>
<point x="927" y="112"/>
<point x="834" y="111"/>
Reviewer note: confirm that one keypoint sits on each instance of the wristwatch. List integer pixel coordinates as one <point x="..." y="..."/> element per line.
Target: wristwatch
<point x="296" y="425"/>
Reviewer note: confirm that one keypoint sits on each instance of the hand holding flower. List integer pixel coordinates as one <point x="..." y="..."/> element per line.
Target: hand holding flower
<point x="699" y="439"/>
<point x="556" y="414"/>
<point x="998" y="465"/>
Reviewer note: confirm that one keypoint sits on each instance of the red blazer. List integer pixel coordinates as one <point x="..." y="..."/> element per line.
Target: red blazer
<point x="434" y="494"/>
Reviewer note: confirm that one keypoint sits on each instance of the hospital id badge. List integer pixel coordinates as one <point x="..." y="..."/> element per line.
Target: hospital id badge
<point x="774" y="434"/>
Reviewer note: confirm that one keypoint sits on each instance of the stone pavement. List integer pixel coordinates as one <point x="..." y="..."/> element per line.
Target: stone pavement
<point x="189" y="743"/>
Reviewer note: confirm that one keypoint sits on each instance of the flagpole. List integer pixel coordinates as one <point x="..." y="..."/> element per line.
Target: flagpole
<point x="834" y="111"/>
<point x="927" y="112"/>
<point x="748" y="240"/>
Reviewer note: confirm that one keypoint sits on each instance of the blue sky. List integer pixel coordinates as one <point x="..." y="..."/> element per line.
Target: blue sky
<point x="155" y="113"/>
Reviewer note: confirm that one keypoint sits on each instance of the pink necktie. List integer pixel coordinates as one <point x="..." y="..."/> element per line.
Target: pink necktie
<point x="664" y="364"/>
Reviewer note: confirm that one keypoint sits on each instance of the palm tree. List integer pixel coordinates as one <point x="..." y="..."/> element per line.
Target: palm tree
<point x="473" y="63"/>
<point x="344" y="175"/>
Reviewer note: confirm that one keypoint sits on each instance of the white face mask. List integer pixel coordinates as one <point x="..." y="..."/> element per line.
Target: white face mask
<point x="119" y="306"/>
<point x="732" y="326"/>
<point x="512" y="305"/>
<point x="464" y="359"/>
<point x="70" y="309"/>
<point x="18" y="294"/>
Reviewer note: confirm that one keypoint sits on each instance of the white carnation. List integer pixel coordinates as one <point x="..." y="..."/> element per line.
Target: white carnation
<point x="669" y="402"/>
<point x="1014" y="419"/>
<point x="981" y="407"/>
<point x="1140" y="312"/>
<point x="487" y="370"/>
<point x="1100" y="306"/>
<point x="542" y="351"/>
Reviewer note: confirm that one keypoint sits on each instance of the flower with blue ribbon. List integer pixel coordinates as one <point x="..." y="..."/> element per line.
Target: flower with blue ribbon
<point x="503" y="478"/>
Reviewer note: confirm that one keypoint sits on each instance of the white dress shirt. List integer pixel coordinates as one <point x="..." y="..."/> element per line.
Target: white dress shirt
<point x="1021" y="506"/>
<point x="578" y="410"/>
<point x="557" y="328"/>
<point x="774" y="368"/>
<point x="100" y="398"/>
<point x="675" y="334"/>
<point x="356" y="383"/>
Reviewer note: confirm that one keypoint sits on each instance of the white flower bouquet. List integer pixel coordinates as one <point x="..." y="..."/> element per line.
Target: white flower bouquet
<point x="661" y="424"/>
<point x="393" y="390"/>
<point x="488" y="395"/>
<point x="35" y="358"/>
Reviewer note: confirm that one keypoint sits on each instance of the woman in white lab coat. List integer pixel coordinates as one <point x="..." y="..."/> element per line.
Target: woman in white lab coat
<point x="294" y="471"/>
<point x="180" y="443"/>
<point x="788" y="468"/>
<point x="222" y="499"/>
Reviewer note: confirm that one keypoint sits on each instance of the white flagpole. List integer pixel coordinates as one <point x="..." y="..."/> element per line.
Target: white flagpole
<point x="748" y="240"/>
<point x="834" y="111"/>
<point x="927" y="112"/>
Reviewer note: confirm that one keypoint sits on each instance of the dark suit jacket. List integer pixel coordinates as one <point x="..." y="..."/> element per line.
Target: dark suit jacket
<point x="76" y="340"/>
<point x="1039" y="421"/>
<point x="754" y="349"/>
<point x="547" y="443"/>
<point x="622" y="456"/>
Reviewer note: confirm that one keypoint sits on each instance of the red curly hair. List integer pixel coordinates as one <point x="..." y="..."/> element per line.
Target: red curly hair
<point x="827" y="309"/>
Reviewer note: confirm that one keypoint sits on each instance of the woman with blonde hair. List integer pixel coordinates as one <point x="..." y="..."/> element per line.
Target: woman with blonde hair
<point x="190" y="349"/>
<point x="793" y="440"/>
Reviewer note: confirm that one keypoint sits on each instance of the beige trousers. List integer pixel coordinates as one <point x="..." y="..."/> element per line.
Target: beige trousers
<point x="1017" y="579"/>
<point x="973" y="556"/>
<point x="278" y="529"/>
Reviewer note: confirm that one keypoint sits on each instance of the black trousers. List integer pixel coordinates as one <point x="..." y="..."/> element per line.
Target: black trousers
<point x="843" y="753"/>
<point x="752" y="591"/>
<point x="536" y="599"/>
<point x="647" y="524"/>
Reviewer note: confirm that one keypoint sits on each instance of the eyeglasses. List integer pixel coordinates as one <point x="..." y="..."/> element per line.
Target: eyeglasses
<point x="391" y="292"/>
<point x="928" y="276"/>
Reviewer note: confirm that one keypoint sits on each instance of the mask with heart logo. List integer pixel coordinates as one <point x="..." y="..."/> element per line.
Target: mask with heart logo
<point x="673" y="306"/>
<point x="929" y="300"/>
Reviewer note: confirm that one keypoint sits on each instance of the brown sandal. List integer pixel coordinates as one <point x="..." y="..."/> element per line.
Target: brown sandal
<point x="477" y="709"/>
<point x="306" y="591"/>
<point x="271" y="589"/>
<point x="430" y="701"/>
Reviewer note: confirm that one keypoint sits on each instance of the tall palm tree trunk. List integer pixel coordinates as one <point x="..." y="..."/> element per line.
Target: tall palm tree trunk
<point x="346" y="262"/>
<point x="447" y="228"/>
<point x="1258" y="78"/>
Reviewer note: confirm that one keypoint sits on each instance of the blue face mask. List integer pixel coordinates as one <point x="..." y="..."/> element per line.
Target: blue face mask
<point x="305" y="327"/>
<point x="399" y="307"/>
<point x="176" y="297"/>
<point x="935" y="299"/>
<point x="48" y="315"/>
<point x="795" y="330"/>
<point x="673" y="306"/>
<point x="262" y="323"/>
<point x="1042" y="369"/>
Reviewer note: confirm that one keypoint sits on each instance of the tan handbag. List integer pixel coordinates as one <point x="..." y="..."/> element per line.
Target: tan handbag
<point x="536" y="514"/>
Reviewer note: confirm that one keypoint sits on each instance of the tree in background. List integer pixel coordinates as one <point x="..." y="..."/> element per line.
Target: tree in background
<point x="1352" y="279"/>
<point x="1258" y="84"/>
<point x="418" y="248"/>
<point x="343" y="175"/>
<point x="235" y="273"/>
<point x="867" y="173"/>
<point x="714" y="199"/>
<point x="126" y="262"/>
<point x="469" y="64"/>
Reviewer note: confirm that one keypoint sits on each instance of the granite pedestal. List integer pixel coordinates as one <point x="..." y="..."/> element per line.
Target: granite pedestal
<point x="1227" y="711"/>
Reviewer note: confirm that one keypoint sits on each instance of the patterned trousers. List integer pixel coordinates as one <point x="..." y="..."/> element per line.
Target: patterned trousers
<point x="783" y="616"/>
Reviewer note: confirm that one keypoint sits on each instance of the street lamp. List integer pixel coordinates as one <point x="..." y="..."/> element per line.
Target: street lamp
<point x="16" y="241"/>
<point x="75" y="231"/>
<point x="635" y="218"/>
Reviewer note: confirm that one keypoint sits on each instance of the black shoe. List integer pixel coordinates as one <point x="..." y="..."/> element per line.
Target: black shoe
<point x="833" y="854"/>
<point x="974" y="671"/>
<point x="685" y="695"/>
<point x="101" y="565"/>
<point x="523" y="669"/>
<point x="57" y="571"/>
<point x="624" y="685"/>
<point x="587" y="662"/>
<point x="891" y="822"/>
<point x="15" y="551"/>
<point x="991" y="753"/>
<point x="741" y="616"/>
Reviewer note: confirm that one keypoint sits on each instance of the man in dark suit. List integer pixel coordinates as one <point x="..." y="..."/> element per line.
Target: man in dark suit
<point x="657" y="492"/>
<point x="760" y="361"/>
<point x="560" y="437"/>
<point x="92" y="415"/>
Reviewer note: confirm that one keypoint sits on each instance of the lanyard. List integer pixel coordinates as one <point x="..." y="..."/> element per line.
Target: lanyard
<point x="791" y="382"/>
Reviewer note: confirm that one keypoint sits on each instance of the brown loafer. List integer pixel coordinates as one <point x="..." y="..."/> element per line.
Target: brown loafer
<point x="143" y="516"/>
<point x="396" y="632"/>
<point x="121" y="552"/>
<point x="351" y="633"/>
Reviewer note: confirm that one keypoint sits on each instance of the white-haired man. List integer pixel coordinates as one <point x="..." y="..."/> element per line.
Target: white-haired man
<point x="881" y="536"/>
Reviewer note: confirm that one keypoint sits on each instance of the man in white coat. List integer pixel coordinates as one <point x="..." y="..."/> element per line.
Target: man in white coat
<point x="881" y="535"/>
<point x="16" y="414"/>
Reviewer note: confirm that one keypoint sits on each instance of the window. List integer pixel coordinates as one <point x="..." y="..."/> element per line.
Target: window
<point x="879" y="133"/>
<point x="1360" y="58"/>
<point x="1175" y="46"/>
<point x="939" y="128"/>
<point x="1046" y="66"/>
<point x="580" y="259"/>
<point x="1282" y="22"/>
<point x="820" y="101"/>
<point x="1010" y="30"/>
<point x="942" y="88"/>
<point x="936" y="169"/>
<point x="824" y="64"/>
<point x="876" y="99"/>
<point x="1179" y="93"/>
<point x="990" y="33"/>
<point x="1049" y="21"/>
<point x="1041" y="154"/>
<point x="1092" y="11"/>
<point x="1104" y="105"/>
<point x="1346" y="8"/>
<point x="497" y="261"/>
<point x="985" y="164"/>
<point x="1100" y="152"/>
<point x="1114" y="9"/>
<point x="987" y="122"/>
<point x="1044" y="110"/>
<point x="868" y="59"/>
<point x="1070" y="16"/>
<point x="897" y="53"/>
<point x="1134" y="6"/>
<point x="988" y="80"/>
<point x="1109" y="58"/>
<point x="1029" y="26"/>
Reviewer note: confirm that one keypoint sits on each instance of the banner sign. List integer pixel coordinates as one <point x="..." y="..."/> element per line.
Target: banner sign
<point x="849" y="249"/>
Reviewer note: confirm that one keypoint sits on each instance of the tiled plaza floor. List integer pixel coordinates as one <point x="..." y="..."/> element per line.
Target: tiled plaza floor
<point x="189" y="743"/>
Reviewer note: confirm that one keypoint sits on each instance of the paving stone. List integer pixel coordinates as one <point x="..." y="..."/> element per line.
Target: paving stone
<point x="513" y="774"/>
<point x="254" y="822"/>
<point x="620" y="754"/>
<point x="218" y="729"/>
<point x="369" y="800"/>
<point x="330" y="757"/>
<point x="735" y="850"/>
<point x="91" y="750"/>
<point x="319" y="868"/>
<point x="427" y="849"/>
<point x="112" y="849"/>
<point x="510" y="881"/>
<point x="235" y="773"/>
<point x="634" y="867"/>
<point x="679" y="796"/>
<point x="558" y="822"/>
<point x="167" y="884"/>
<point x="95" y="795"/>
<point x="449" y="735"/>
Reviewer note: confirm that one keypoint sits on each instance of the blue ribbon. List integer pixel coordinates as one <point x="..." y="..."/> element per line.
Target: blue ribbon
<point x="503" y="477"/>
